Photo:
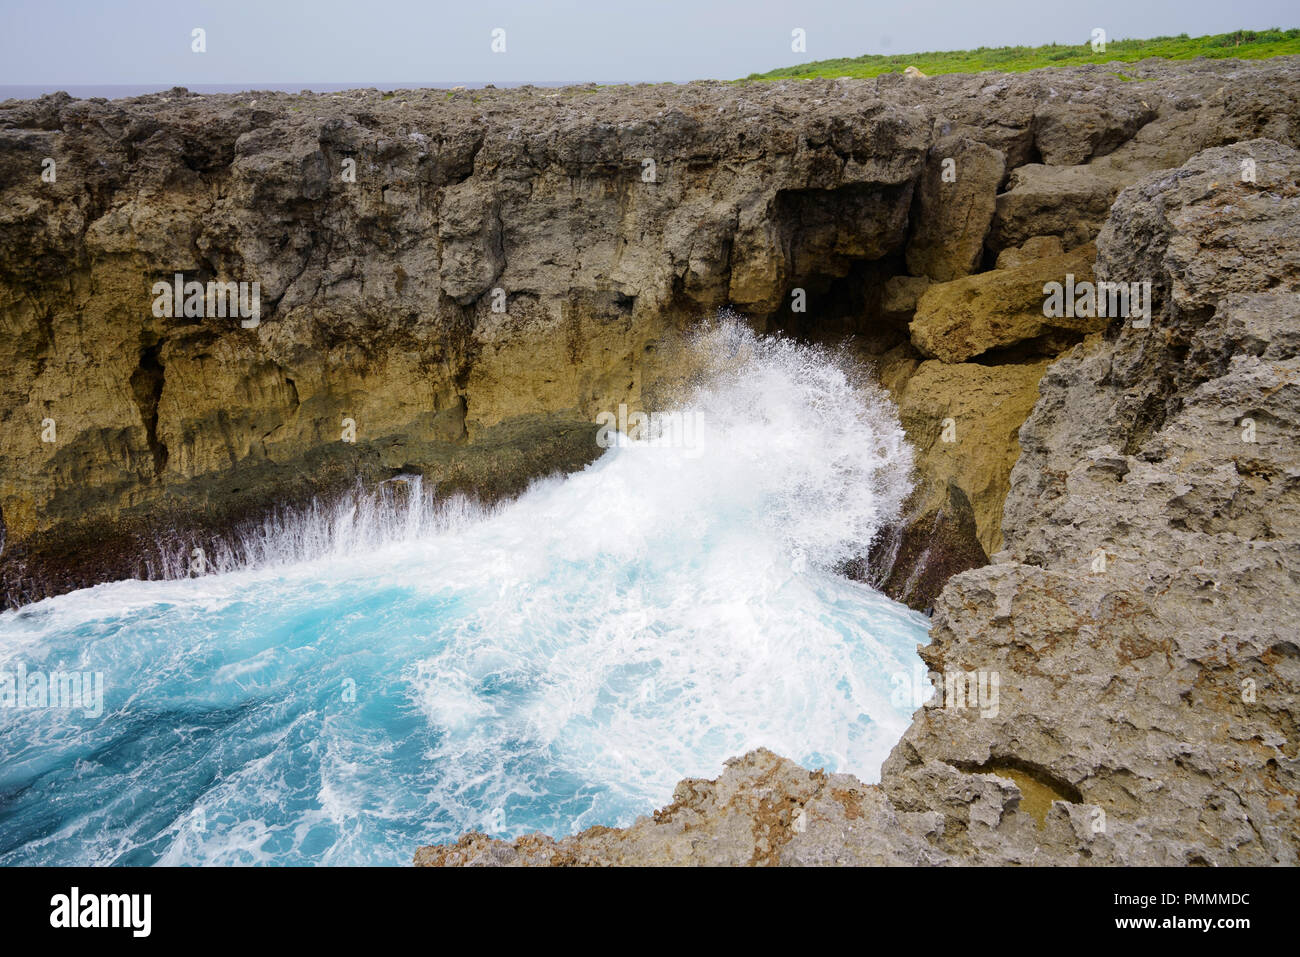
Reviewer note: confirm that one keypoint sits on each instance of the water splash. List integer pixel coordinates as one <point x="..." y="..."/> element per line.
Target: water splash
<point x="396" y="670"/>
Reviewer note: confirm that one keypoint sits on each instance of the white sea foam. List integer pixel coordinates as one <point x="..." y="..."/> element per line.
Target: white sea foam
<point x="556" y="662"/>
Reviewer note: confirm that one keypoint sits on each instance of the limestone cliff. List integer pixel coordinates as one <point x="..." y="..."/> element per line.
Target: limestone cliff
<point x="456" y="283"/>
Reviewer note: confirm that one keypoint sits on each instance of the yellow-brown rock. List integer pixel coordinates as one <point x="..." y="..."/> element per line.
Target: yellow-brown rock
<point x="967" y="317"/>
<point x="980" y="408"/>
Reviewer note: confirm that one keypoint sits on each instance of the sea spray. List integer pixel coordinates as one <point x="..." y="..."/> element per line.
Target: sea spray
<point x="362" y="519"/>
<point x="362" y="678"/>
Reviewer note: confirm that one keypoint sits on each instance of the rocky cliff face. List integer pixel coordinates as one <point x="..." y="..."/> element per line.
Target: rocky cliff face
<point x="457" y="283"/>
<point x="1121" y="685"/>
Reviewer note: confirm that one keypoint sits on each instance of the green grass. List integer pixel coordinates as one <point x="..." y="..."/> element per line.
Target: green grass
<point x="1243" y="44"/>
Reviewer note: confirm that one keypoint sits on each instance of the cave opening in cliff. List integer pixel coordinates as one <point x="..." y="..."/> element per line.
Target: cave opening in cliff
<point x="836" y="248"/>
<point x="842" y="306"/>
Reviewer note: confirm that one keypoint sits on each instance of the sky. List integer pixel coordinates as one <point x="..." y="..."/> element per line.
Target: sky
<point x="52" y="42"/>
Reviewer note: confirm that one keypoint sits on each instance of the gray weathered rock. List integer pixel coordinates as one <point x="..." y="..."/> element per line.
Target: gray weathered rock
<point x="1074" y="129"/>
<point x="762" y="810"/>
<point x="1160" y="546"/>
<point x="1069" y="202"/>
<point x="954" y="207"/>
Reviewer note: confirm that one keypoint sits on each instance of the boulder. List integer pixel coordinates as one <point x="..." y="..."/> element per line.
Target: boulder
<point x="1036" y="247"/>
<point x="935" y="539"/>
<point x="1069" y="202"/>
<point x="967" y="317"/>
<point x="1088" y="124"/>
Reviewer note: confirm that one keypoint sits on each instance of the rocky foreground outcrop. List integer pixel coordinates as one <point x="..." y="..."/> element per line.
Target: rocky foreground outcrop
<point x="457" y="283"/>
<point x="1121" y="685"/>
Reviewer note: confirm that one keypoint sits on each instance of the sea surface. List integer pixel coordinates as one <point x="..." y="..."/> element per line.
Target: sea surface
<point x="116" y="91"/>
<point x="343" y="684"/>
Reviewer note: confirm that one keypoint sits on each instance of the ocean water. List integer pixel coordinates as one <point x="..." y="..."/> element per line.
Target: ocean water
<point x="349" y="683"/>
<point x="115" y="91"/>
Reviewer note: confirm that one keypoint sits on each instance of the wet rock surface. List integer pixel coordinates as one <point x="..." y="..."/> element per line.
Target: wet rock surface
<point x="936" y="538"/>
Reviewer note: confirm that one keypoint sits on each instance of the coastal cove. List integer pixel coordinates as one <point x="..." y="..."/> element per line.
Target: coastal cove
<point x="880" y="471"/>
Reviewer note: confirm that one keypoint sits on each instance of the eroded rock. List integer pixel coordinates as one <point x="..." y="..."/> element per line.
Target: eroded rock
<point x="1121" y="685"/>
<point x="955" y="201"/>
<point x="936" y="538"/>
<point x="968" y="317"/>
<point x="387" y="231"/>
<point x="763" y="810"/>
<point x="963" y="420"/>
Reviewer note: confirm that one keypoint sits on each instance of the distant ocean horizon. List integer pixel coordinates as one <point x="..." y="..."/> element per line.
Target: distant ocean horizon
<point x="115" y="91"/>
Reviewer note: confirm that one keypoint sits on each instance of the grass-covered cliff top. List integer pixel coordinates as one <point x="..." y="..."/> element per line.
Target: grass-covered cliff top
<point x="1244" y="44"/>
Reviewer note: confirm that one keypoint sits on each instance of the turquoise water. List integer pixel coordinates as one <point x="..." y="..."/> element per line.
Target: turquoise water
<point x="350" y="684"/>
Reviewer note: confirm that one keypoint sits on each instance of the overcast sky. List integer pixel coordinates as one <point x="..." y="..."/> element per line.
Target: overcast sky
<point x="364" y="41"/>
